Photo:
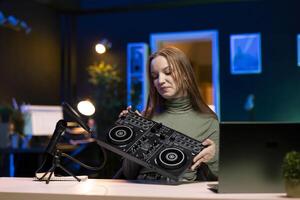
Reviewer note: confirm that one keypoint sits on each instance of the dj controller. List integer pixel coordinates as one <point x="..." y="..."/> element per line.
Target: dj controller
<point x="152" y="145"/>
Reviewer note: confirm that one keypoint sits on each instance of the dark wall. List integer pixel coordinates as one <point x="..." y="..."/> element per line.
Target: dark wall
<point x="31" y="67"/>
<point x="276" y="89"/>
<point x="30" y="63"/>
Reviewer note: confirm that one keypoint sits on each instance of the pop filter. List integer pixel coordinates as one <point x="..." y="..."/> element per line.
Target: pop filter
<point x="75" y="116"/>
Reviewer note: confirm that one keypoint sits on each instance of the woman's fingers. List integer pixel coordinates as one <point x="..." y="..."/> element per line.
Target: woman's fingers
<point x="125" y="112"/>
<point x="197" y="164"/>
<point x="137" y="112"/>
<point x="205" y="155"/>
<point x="207" y="142"/>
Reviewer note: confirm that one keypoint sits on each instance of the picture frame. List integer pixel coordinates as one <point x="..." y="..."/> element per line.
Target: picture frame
<point x="245" y="54"/>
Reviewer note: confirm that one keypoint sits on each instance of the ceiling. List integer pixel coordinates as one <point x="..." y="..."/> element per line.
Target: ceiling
<point x="87" y="6"/>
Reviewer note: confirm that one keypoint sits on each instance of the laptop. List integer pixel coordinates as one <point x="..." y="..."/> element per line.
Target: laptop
<point x="251" y="155"/>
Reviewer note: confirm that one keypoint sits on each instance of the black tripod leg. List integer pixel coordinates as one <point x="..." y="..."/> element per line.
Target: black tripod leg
<point x="51" y="173"/>
<point x="40" y="179"/>
<point x="65" y="170"/>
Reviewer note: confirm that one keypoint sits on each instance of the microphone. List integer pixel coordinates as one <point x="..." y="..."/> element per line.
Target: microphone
<point x="72" y="113"/>
<point x="59" y="129"/>
<point x="61" y="126"/>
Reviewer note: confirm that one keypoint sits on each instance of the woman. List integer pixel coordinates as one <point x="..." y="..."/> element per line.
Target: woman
<point x="175" y="101"/>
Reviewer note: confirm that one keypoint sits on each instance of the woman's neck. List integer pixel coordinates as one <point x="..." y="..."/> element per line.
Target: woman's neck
<point x="178" y="105"/>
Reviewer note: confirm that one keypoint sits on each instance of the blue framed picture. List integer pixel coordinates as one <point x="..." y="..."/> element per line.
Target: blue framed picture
<point x="245" y="54"/>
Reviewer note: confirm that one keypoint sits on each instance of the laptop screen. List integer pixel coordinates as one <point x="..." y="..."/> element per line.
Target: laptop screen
<point x="251" y="155"/>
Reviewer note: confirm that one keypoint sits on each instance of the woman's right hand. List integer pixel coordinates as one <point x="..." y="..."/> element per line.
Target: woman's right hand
<point x="125" y="112"/>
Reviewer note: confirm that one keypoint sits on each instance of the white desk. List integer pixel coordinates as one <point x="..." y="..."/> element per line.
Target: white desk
<point x="105" y="189"/>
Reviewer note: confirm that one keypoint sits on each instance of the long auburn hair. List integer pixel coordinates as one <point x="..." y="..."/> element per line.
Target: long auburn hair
<point x="183" y="74"/>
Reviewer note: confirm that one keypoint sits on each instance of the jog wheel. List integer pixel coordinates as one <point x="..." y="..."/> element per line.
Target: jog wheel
<point x="120" y="135"/>
<point x="171" y="158"/>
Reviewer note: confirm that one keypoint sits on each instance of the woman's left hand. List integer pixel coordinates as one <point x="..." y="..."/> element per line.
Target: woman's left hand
<point x="205" y="155"/>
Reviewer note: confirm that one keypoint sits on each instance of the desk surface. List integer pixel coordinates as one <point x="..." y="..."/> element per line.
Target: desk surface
<point x="107" y="189"/>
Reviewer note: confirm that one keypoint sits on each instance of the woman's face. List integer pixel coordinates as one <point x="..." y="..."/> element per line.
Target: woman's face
<point x="161" y="73"/>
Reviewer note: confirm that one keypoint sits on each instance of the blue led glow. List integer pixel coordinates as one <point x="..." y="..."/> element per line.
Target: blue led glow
<point x="137" y="55"/>
<point x="11" y="165"/>
<point x="298" y="49"/>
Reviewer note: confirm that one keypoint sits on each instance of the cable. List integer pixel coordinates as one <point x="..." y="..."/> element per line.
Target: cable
<point x="87" y="166"/>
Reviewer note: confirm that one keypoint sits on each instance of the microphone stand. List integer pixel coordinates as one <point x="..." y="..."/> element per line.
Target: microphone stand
<point x="56" y="154"/>
<point x="52" y="150"/>
<point x="56" y="164"/>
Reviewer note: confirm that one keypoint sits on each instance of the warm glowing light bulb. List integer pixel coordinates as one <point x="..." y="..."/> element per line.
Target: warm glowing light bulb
<point x="100" y="48"/>
<point x="86" y="108"/>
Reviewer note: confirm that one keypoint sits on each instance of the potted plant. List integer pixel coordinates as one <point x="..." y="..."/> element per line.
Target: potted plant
<point x="291" y="172"/>
<point x="108" y="92"/>
<point x="106" y="81"/>
<point x="11" y="125"/>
